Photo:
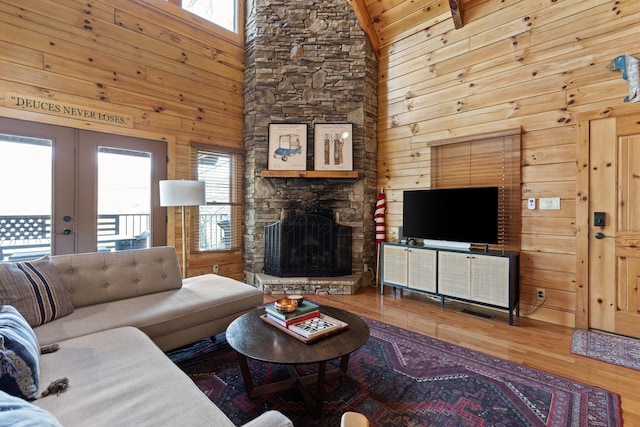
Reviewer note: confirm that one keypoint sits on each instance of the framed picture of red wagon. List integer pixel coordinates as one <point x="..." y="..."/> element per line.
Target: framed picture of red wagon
<point x="333" y="147"/>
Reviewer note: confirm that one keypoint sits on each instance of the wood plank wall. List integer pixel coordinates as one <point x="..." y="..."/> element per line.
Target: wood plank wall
<point x="514" y="63"/>
<point x="179" y="76"/>
<point x="538" y="65"/>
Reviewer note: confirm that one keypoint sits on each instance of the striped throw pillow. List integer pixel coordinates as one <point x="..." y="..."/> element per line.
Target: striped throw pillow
<point x="20" y="355"/>
<point x="35" y="289"/>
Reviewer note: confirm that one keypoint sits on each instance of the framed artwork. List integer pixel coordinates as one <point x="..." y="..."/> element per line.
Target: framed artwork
<point x="287" y="146"/>
<point x="333" y="147"/>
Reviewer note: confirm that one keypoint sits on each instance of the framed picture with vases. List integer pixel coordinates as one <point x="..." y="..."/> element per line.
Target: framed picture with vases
<point x="287" y="146"/>
<point x="333" y="147"/>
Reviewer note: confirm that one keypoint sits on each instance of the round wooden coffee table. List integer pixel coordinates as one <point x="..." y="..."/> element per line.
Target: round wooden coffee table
<point x="253" y="338"/>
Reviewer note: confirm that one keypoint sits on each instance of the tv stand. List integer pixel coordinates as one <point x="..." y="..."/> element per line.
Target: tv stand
<point x="488" y="278"/>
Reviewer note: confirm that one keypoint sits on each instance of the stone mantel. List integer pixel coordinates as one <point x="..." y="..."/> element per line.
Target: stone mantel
<point x="309" y="174"/>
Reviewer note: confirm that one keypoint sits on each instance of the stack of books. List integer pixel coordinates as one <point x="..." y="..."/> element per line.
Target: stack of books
<point x="306" y="323"/>
<point x="306" y="310"/>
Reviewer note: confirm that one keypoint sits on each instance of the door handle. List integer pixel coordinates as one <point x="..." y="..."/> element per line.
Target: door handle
<point x="599" y="235"/>
<point x="67" y="231"/>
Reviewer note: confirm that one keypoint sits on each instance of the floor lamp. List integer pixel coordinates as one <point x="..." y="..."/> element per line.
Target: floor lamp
<point x="182" y="193"/>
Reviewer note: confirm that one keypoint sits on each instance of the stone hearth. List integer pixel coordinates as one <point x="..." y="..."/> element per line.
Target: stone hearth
<point x="341" y="285"/>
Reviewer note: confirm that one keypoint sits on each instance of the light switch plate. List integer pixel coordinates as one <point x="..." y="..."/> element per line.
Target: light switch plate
<point x="550" y="203"/>
<point x="532" y="203"/>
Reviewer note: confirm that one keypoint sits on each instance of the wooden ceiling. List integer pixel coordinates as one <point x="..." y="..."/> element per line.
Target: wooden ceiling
<point x="386" y="21"/>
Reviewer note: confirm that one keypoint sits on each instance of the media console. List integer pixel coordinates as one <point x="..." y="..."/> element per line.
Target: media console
<point x="488" y="278"/>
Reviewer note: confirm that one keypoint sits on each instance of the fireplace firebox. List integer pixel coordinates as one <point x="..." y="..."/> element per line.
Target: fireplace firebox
<point x="307" y="245"/>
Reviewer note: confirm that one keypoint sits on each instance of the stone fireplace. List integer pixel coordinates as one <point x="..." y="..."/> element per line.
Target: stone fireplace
<point x="309" y="62"/>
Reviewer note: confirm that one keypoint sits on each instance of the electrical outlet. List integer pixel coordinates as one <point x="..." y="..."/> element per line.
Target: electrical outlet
<point x="531" y="203"/>
<point x="366" y="268"/>
<point x="540" y="293"/>
<point x="215" y="268"/>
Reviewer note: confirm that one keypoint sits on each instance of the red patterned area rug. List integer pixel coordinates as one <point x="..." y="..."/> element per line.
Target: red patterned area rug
<point x="401" y="378"/>
<point x="615" y="349"/>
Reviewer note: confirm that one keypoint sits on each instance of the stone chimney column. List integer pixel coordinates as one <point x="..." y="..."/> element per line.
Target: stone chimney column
<point x="308" y="62"/>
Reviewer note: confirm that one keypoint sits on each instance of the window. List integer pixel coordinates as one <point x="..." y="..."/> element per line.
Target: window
<point x="483" y="161"/>
<point x="220" y="12"/>
<point x="220" y="220"/>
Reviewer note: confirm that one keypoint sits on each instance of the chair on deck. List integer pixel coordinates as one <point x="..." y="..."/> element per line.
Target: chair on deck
<point x="225" y="226"/>
<point x="140" y="242"/>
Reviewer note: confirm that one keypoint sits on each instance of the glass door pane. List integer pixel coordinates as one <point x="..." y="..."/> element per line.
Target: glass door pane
<point x="119" y="201"/>
<point x="124" y="199"/>
<point x="25" y="212"/>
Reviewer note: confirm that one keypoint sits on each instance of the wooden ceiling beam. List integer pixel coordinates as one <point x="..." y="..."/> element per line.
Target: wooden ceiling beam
<point x="364" y="19"/>
<point x="456" y="13"/>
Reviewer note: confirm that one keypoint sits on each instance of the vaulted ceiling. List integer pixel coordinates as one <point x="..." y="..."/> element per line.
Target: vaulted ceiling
<point x="386" y="21"/>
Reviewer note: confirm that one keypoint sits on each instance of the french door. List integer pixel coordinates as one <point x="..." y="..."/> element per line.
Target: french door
<point x="66" y="190"/>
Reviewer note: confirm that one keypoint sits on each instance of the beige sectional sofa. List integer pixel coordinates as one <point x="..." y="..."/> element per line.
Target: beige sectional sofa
<point x="129" y="307"/>
<point x="144" y="288"/>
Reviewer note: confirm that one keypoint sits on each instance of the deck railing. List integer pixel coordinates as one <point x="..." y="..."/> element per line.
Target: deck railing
<point x="29" y="236"/>
<point x="215" y="232"/>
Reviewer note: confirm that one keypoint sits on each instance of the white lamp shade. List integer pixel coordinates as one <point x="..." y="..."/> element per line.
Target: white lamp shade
<point x="182" y="193"/>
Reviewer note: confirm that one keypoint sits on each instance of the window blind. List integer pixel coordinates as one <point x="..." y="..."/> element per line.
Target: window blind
<point x="219" y="223"/>
<point x="481" y="162"/>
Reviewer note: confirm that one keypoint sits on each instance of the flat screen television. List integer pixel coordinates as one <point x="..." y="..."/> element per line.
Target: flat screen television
<point x="468" y="215"/>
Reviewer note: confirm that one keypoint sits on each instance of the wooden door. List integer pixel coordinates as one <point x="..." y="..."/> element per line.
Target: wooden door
<point x="614" y="246"/>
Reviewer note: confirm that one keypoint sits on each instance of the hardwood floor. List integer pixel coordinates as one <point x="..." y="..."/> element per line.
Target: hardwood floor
<point x="529" y="342"/>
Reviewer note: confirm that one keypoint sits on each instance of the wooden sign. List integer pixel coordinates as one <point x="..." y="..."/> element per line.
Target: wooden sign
<point x="64" y="109"/>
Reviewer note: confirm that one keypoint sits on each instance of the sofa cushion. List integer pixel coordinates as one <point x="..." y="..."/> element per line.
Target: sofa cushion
<point x="35" y="289"/>
<point x="19" y="355"/>
<point x="16" y="412"/>
<point x="120" y="377"/>
<point x="98" y="277"/>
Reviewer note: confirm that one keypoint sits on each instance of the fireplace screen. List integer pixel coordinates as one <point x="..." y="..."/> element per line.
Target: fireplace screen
<point x="307" y="245"/>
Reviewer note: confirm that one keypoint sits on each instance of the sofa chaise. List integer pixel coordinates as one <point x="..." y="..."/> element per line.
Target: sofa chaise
<point x="112" y="315"/>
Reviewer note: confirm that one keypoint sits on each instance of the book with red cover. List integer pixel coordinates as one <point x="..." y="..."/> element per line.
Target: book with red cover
<point x="298" y="319"/>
